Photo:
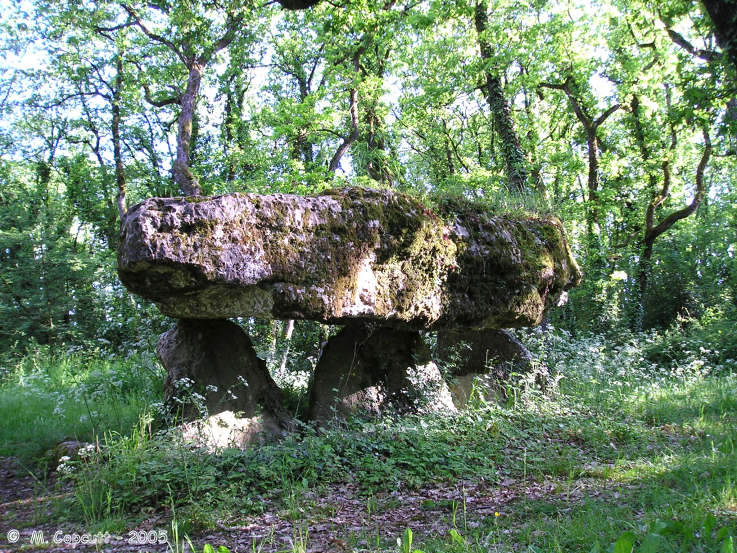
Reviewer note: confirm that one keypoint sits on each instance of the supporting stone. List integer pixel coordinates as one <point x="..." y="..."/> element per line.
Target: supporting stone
<point x="369" y="370"/>
<point x="482" y="351"/>
<point x="227" y="429"/>
<point x="215" y="360"/>
<point x="486" y="357"/>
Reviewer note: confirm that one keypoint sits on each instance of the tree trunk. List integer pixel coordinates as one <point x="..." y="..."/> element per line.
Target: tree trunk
<point x="592" y="144"/>
<point x="228" y="133"/>
<point x="275" y="324"/>
<point x="643" y="276"/>
<point x="514" y="158"/>
<point x="304" y="148"/>
<point x="723" y="14"/>
<point x="352" y="136"/>
<point x="119" y="169"/>
<point x="591" y="127"/>
<point x="653" y="231"/>
<point x="44" y="180"/>
<point x="183" y="176"/>
<point x="353" y="112"/>
<point x="288" y="339"/>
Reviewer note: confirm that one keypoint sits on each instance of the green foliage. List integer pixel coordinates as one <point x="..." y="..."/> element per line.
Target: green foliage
<point x="46" y="399"/>
<point x="674" y="535"/>
<point x="274" y="107"/>
<point x="45" y="264"/>
<point x="707" y="339"/>
<point x="661" y="436"/>
<point x="658" y="434"/>
<point x="405" y="542"/>
<point x="650" y="409"/>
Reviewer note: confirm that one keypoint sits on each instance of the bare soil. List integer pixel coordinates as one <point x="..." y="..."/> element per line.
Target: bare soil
<point x="334" y="519"/>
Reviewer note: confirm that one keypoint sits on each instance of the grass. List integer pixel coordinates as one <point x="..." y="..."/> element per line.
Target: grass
<point x="623" y="454"/>
<point x="45" y="400"/>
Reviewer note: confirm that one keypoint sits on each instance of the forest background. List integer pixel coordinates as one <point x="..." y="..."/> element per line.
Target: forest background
<point x="619" y="117"/>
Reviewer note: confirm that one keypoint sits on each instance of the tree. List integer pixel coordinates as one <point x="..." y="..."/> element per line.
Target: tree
<point x="591" y="126"/>
<point x="357" y="53"/>
<point x="514" y="157"/>
<point x="195" y="39"/>
<point x="723" y="14"/>
<point x="652" y="230"/>
<point x="603" y="110"/>
<point x="195" y="36"/>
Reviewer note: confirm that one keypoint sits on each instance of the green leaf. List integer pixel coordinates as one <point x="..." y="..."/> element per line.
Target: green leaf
<point x="223" y="549"/>
<point x="653" y="543"/>
<point x="727" y="546"/>
<point x="407" y="541"/>
<point x="208" y="549"/>
<point x="625" y="543"/>
<point x="456" y="537"/>
<point x="660" y="527"/>
<point x="709" y="524"/>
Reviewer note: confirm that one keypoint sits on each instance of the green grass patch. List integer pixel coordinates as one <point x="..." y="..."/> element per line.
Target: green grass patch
<point x="47" y="399"/>
<point x="620" y="455"/>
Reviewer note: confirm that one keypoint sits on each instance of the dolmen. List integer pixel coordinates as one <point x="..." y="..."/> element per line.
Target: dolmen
<point x="377" y="262"/>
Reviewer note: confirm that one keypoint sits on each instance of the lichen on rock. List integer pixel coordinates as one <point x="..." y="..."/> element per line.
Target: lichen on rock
<point x="348" y="255"/>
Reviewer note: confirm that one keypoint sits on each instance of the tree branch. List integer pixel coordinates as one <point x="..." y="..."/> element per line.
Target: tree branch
<point x="296" y="4"/>
<point x="160" y="103"/>
<point x="679" y="40"/>
<point x="579" y="110"/>
<point x="231" y="26"/>
<point x="153" y="36"/>
<point x="353" y="110"/>
<point x="352" y="137"/>
<point x="652" y="233"/>
<point x="604" y="116"/>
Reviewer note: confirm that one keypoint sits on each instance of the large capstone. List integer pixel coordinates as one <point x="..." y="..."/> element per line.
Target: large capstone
<point x="351" y="255"/>
<point x="370" y="371"/>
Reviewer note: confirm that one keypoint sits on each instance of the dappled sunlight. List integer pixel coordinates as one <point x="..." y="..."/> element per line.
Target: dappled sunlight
<point x="343" y="276"/>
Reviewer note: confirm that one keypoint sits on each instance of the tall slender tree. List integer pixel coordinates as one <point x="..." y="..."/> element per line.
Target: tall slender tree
<point x="511" y="149"/>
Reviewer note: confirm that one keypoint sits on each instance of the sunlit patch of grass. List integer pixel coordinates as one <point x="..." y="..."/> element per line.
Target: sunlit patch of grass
<point x="45" y="400"/>
<point x="727" y="499"/>
<point x="651" y="451"/>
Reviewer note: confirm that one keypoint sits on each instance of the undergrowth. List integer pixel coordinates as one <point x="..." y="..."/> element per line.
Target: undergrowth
<point x="647" y="446"/>
<point x="46" y="399"/>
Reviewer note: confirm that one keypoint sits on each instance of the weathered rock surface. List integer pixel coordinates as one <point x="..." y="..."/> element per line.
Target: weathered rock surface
<point x="482" y="351"/>
<point x="229" y="429"/>
<point x="481" y="361"/>
<point x="370" y="371"/>
<point x="215" y="360"/>
<point x="344" y="256"/>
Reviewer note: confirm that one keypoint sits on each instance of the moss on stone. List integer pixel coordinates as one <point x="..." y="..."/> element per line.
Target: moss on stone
<point x="197" y="199"/>
<point x="366" y="254"/>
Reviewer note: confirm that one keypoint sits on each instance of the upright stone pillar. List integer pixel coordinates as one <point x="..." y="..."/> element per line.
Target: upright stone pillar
<point x="212" y="364"/>
<point x="370" y="370"/>
<point x="487" y="357"/>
